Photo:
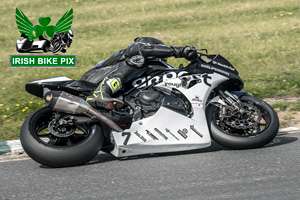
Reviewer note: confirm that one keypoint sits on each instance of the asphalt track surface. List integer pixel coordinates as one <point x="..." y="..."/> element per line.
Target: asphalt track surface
<point x="272" y="172"/>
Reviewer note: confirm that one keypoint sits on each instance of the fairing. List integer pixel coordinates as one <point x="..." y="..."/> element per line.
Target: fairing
<point x="167" y="130"/>
<point x="59" y="83"/>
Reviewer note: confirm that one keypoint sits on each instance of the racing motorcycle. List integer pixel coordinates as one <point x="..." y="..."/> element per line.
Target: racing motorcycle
<point x="60" y="41"/>
<point x="167" y="109"/>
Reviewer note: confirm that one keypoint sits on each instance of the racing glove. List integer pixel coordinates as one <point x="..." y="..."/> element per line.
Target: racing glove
<point x="189" y="52"/>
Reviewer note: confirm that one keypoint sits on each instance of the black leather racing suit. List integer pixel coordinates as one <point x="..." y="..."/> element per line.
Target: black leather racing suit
<point x="125" y="65"/>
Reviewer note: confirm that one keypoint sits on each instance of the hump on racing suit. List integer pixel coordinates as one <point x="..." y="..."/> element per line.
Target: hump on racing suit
<point x="141" y="44"/>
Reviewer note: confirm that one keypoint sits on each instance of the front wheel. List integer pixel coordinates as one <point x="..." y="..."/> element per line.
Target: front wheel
<point x="254" y="128"/>
<point x="50" y="143"/>
<point x="56" y="47"/>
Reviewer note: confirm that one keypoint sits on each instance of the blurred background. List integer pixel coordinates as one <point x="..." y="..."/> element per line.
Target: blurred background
<point x="259" y="37"/>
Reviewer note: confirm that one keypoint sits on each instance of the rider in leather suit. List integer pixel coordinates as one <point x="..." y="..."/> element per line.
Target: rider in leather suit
<point x="127" y="64"/>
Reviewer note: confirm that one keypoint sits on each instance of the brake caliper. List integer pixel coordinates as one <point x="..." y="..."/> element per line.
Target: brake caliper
<point x="61" y="126"/>
<point x="248" y="119"/>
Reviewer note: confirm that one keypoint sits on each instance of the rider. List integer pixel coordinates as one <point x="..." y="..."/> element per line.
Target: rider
<point x="65" y="39"/>
<point x="127" y="64"/>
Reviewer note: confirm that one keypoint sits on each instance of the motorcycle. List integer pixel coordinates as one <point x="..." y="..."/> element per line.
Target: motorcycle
<point x="60" y="41"/>
<point x="165" y="110"/>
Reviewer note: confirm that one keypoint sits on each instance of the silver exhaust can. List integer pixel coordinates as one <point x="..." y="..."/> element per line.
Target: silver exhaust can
<point x="68" y="103"/>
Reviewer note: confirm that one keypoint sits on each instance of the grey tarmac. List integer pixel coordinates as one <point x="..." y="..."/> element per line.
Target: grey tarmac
<point x="272" y="172"/>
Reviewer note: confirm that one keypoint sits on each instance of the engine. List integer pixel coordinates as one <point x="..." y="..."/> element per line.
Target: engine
<point x="149" y="101"/>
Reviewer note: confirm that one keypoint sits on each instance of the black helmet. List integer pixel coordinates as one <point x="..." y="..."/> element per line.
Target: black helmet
<point x="150" y="40"/>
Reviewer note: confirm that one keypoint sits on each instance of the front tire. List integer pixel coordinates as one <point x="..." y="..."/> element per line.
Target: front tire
<point x="47" y="149"/>
<point x="232" y="137"/>
<point x="56" y="47"/>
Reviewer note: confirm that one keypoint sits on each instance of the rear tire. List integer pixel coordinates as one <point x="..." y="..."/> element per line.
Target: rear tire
<point x="240" y="138"/>
<point x="39" y="144"/>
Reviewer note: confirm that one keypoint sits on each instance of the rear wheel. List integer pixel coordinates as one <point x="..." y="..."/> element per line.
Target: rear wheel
<point x="56" y="143"/>
<point x="256" y="127"/>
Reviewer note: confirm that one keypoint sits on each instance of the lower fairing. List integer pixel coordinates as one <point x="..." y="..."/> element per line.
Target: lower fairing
<point x="169" y="131"/>
<point x="166" y="131"/>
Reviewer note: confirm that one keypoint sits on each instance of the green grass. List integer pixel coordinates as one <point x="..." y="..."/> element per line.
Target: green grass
<point x="286" y="106"/>
<point x="288" y="112"/>
<point x="260" y="38"/>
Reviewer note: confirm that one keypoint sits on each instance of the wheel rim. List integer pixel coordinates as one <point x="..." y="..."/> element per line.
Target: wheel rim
<point x="56" y="47"/>
<point x="251" y="124"/>
<point x="42" y="132"/>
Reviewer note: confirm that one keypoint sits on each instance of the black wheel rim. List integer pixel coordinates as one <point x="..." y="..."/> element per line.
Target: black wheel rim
<point x="56" y="47"/>
<point x="43" y="134"/>
<point x="262" y="124"/>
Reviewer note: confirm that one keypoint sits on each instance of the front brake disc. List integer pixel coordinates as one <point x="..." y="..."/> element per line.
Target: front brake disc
<point x="247" y="120"/>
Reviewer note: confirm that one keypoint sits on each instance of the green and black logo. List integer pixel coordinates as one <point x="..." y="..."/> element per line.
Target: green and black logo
<point x="44" y="37"/>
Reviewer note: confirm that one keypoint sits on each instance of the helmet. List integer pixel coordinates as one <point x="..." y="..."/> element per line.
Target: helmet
<point x="71" y="34"/>
<point x="150" y="40"/>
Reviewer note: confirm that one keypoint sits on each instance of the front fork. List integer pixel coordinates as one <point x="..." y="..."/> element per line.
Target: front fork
<point x="232" y="100"/>
<point x="229" y="100"/>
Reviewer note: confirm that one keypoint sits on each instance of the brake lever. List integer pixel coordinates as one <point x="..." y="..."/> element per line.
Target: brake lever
<point x="202" y="50"/>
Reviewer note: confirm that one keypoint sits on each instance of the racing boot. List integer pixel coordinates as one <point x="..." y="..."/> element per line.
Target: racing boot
<point x="102" y="95"/>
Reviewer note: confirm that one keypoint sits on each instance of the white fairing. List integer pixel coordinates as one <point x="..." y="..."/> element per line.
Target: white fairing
<point x="38" y="44"/>
<point x="166" y="130"/>
<point x="56" y="79"/>
<point x="20" y="43"/>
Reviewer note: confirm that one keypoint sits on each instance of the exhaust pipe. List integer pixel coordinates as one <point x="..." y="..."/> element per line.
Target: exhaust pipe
<point x="68" y="103"/>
